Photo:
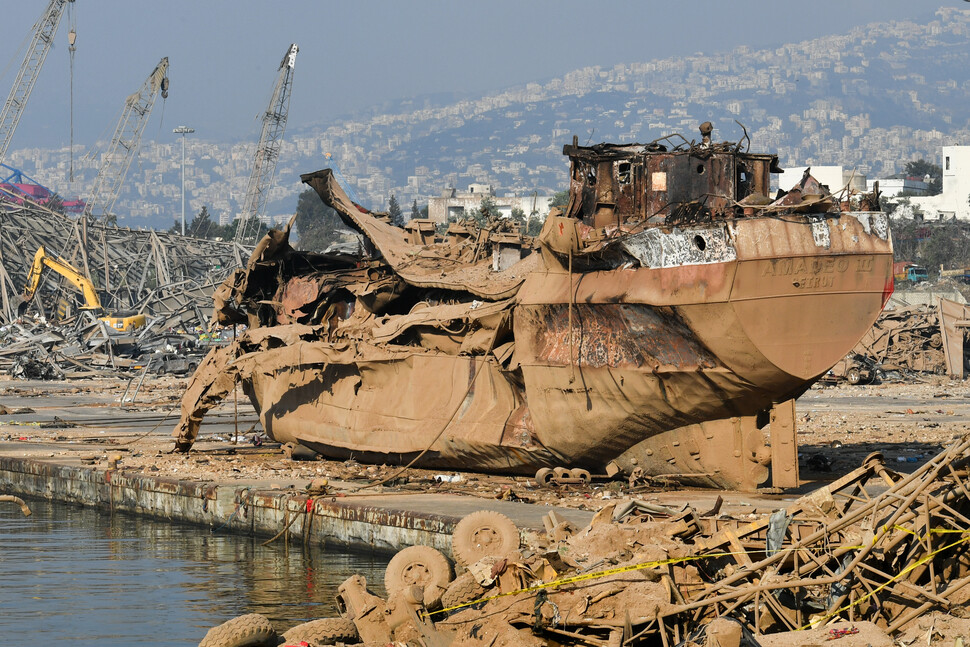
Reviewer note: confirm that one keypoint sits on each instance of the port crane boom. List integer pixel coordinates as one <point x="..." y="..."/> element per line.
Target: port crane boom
<point x="125" y="141"/>
<point x="268" y="149"/>
<point x="40" y="45"/>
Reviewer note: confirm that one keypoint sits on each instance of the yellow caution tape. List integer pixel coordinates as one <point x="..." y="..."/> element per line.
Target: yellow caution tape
<point x="680" y="560"/>
<point x="906" y="570"/>
<point x="586" y="576"/>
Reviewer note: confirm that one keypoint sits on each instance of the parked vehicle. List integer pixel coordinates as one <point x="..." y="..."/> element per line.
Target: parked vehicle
<point x="961" y="274"/>
<point x="175" y="363"/>
<point x="854" y="369"/>
<point x="905" y="271"/>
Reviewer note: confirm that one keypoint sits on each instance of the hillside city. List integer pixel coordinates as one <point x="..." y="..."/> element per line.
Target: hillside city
<point x="668" y="353"/>
<point x="871" y="99"/>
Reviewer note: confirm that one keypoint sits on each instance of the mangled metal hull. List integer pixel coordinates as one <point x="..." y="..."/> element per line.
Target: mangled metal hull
<point x="663" y="346"/>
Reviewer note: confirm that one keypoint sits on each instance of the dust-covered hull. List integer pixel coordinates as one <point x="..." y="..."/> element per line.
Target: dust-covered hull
<point x="655" y="344"/>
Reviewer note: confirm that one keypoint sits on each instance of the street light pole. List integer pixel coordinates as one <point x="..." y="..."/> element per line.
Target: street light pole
<point x="182" y="130"/>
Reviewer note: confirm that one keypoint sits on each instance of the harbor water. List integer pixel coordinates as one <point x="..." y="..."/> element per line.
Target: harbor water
<point x="78" y="576"/>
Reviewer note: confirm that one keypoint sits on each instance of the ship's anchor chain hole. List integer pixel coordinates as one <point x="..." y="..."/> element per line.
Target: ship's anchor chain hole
<point x="700" y="243"/>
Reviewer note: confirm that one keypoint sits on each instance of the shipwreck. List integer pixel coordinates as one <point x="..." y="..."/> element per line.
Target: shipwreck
<point x="661" y="323"/>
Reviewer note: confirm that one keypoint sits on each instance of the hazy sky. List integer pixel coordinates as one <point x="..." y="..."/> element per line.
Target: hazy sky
<point x="353" y="54"/>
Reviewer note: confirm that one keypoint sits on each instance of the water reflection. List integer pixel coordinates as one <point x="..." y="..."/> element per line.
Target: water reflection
<point x="77" y="574"/>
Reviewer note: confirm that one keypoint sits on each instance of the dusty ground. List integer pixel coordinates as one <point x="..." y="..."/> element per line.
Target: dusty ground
<point x="86" y="420"/>
<point x="907" y="423"/>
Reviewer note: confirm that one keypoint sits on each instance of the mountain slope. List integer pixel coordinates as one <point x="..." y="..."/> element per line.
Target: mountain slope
<point x="872" y="98"/>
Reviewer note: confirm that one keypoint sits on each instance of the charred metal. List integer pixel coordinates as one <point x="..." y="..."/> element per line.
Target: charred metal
<point x="672" y="300"/>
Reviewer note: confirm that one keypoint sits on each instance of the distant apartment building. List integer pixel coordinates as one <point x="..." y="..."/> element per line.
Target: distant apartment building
<point x="892" y="187"/>
<point x="452" y="204"/>
<point x="953" y="201"/>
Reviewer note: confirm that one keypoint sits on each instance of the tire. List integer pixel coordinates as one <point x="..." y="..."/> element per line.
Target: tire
<point x="853" y="376"/>
<point x="250" y="630"/>
<point x="581" y="474"/>
<point x="464" y="589"/>
<point x="544" y="476"/>
<point x="327" y="631"/>
<point x="483" y="534"/>
<point x="421" y="565"/>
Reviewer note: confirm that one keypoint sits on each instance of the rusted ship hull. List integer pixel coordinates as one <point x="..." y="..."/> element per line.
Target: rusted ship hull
<point x="666" y="348"/>
<point x="658" y="350"/>
<point x="653" y="349"/>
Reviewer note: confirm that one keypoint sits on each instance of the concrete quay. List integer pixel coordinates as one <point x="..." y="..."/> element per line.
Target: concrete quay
<point x="379" y="522"/>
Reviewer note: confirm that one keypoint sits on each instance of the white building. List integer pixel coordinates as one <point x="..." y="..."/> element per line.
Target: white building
<point x="891" y="187"/>
<point x="952" y="202"/>
<point x="453" y="204"/>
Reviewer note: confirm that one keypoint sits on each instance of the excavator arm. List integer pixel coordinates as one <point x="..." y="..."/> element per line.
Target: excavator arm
<point x="65" y="269"/>
<point x="33" y="276"/>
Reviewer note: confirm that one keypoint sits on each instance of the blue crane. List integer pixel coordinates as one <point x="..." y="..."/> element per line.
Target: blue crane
<point x="18" y="187"/>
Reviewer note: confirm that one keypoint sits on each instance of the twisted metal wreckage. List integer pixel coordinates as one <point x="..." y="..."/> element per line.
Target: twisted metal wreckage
<point x="913" y="340"/>
<point x="658" y="323"/>
<point x="875" y="546"/>
<point x="870" y="553"/>
<point x="143" y="270"/>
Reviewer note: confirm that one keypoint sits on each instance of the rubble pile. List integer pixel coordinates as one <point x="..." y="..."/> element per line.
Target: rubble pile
<point x="863" y="558"/>
<point x="151" y="272"/>
<point x="82" y="347"/>
<point x="907" y="339"/>
<point x="60" y="275"/>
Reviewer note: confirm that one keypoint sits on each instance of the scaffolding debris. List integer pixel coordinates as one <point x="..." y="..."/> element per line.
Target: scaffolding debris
<point x="906" y="342"/>
<point x="159" y="273"/>
<point x="864" y="556"/>
<point x="169" y="278"/>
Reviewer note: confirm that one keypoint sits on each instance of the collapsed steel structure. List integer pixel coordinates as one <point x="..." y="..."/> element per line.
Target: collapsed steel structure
<point x="154" y="272"/>
<point x="875" y="545"/>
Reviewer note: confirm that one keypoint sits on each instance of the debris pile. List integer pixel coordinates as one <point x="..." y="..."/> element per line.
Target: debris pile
<point x="151" y="272"/>
<point x="857" y="560"/>
<point x="55" y="269"/>
<point x="907" y="339"/>
<point x="910" y="340"/>
<point x="86" y="347"/>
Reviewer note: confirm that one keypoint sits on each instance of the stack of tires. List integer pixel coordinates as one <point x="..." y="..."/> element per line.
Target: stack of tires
<point x="480" y="535"/>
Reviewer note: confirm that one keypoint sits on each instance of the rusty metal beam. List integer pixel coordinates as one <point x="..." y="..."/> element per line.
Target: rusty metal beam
<point x="784" y="445"/>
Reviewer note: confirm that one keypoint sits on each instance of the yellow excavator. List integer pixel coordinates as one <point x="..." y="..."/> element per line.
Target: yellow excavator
<point x="119" y="321"/>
